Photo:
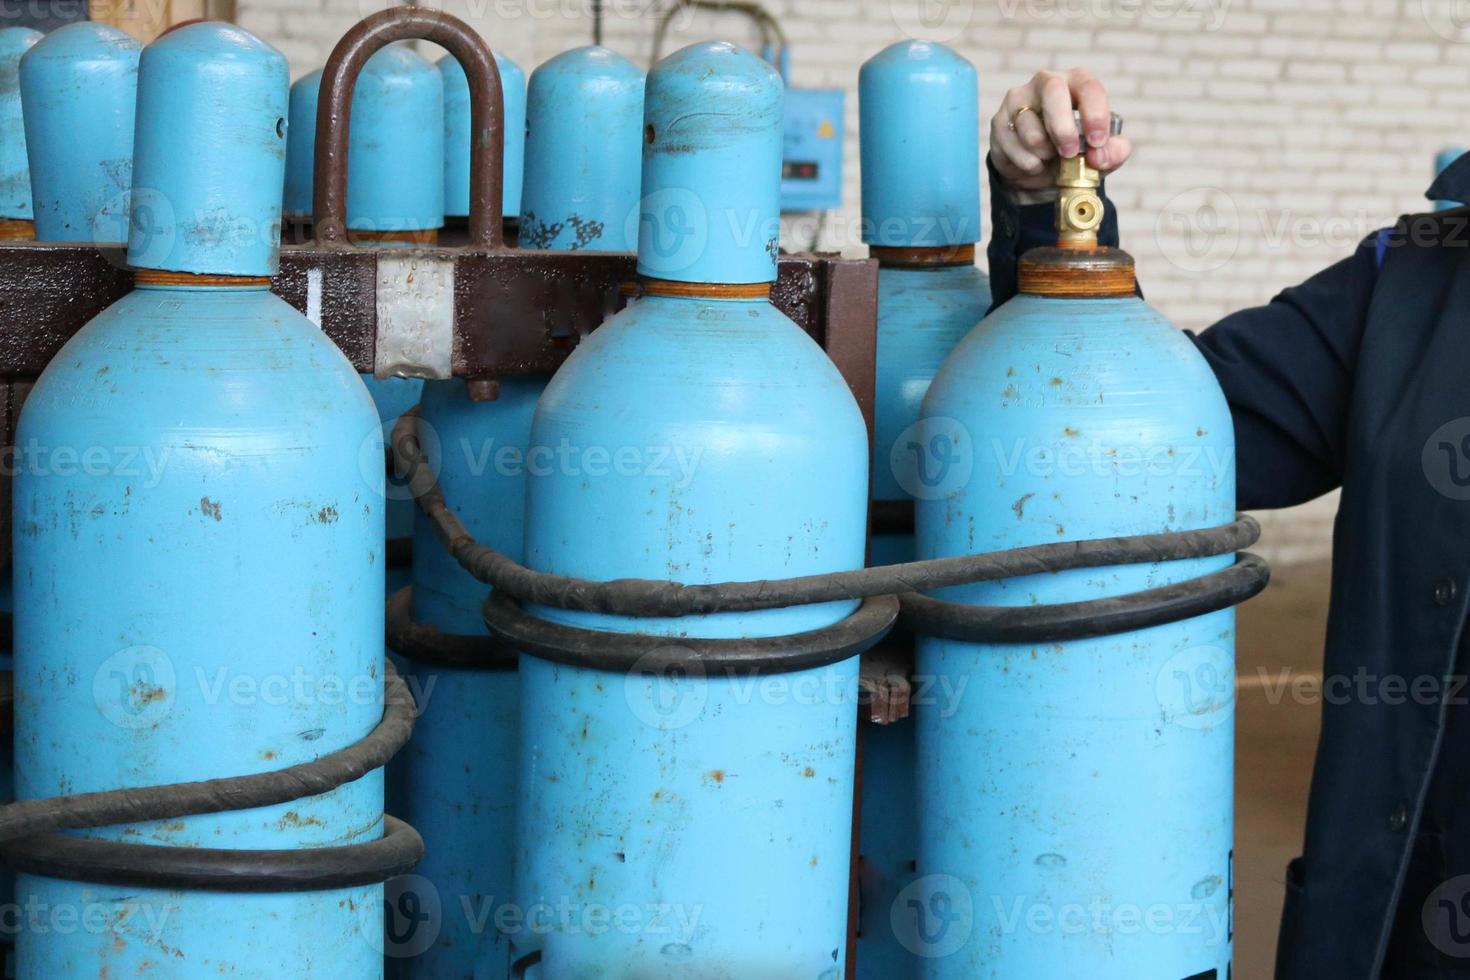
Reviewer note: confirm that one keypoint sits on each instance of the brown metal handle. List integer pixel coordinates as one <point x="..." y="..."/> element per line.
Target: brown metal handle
<point x="334" y="116"/>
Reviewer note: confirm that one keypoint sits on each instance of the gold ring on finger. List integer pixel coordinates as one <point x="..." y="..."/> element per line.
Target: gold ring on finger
<point x="1017" y="114"/>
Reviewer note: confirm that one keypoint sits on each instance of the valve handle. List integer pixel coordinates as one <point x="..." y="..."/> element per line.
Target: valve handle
<point x="1115" y="126"/>
<point x="334" y="117"/>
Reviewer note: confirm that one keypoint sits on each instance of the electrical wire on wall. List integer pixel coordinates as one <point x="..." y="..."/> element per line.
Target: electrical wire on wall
<point x="773" y="47"/>
<point x="773" y="38"/>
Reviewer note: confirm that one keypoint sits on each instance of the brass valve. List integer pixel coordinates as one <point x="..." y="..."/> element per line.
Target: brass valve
<point x="1079" y="207"/>
<point x="1077" y="267"/>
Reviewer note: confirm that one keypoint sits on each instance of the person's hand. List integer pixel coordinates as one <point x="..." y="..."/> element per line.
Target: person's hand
<point x="1035" y="127"/>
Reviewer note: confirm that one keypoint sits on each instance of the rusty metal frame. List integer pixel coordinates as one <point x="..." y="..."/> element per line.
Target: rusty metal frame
<point x="515" y="312"/>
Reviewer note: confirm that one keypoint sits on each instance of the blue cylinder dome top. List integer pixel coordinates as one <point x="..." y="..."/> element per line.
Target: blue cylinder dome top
<point x="15" y="177"/>
<point x="79" y="89"/>
<point x="396" y="144"/>
<point x="1443" y="159"/>
<point x="457" y="135"/>
<point x="584" y="159"/>
<point x="301" y="144"/>
<point x="209" y="153"/>
<point x="711" y="205"/>
<point x="919" y="129"/>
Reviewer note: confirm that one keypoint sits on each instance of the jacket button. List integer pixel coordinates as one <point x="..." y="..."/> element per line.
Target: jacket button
<point x="1399" y="818"/>
<point x="1444" y="592"/>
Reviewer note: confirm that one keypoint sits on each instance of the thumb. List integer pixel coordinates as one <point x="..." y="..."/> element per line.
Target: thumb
<point x="1111" y="155"/>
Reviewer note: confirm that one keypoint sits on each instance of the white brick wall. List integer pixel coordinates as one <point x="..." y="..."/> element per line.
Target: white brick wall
<point x="1270" y="134"/>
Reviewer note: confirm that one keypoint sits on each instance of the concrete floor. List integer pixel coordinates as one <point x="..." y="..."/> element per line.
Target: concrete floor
<point x="1280" y="635"/>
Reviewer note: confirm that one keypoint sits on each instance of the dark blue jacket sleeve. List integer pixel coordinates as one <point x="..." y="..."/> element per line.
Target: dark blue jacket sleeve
<point x="1286" y="368"/>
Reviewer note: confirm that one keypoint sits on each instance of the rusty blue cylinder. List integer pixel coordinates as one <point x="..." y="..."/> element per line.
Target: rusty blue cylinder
<point x="301" y="145"/>
<point x="79" y="88"/>
<point x="922" y="313"/>
<point x="184" y="218"/>
<point x="458" y="785"/>
<point x="1443" y="159"/>
<point x="15" y="177"/>
<point x="584" y="152"/>
<point x="1075" y="797"/>
<point x="888" y="822"/>
<point x="711" y="212"/>
<point x="15" y="224"/>
<point x="219" y="430"/>
<point x="919" y="118"/>
<point x="395" y="150"/>
<point x="391" y="157"/>
<point x="922" y="198"/>
<point x="697" y="824"/>
<point x="456" y="791"/>
<point x="457" y="135"/>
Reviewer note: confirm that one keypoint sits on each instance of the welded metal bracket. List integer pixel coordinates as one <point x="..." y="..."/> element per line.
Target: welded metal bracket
<point x="415" y="304"/>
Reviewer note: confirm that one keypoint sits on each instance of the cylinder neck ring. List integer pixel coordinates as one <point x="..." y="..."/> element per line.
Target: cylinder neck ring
<point x="17" y="230"/>
<point x="1077" y="272"/>
<point x="415" y="236"/>
<point x="165" y="277"/>
<point x="923" y="257"/>
<point x="703" y="290"/>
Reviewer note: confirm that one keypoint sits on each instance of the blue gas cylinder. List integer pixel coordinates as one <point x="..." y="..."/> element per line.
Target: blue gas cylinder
<point x="694" y="824"/>
<point x="457" y="135"/>
<point x="584" y="117"/>
<point x="1443" y="159"/>
<point x="1075" y="798"/>
<point x="458" y="772"/>
<point x="920" y="143"/>
<point x="394" y="148"/>
<point x="201" y="595"/>
<point x="301" y="145"/>
<point x="457" y="789"/>
<point x="15" y="178"/>
<point x="79" y="87"/>
<point x="392" y="110"/>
